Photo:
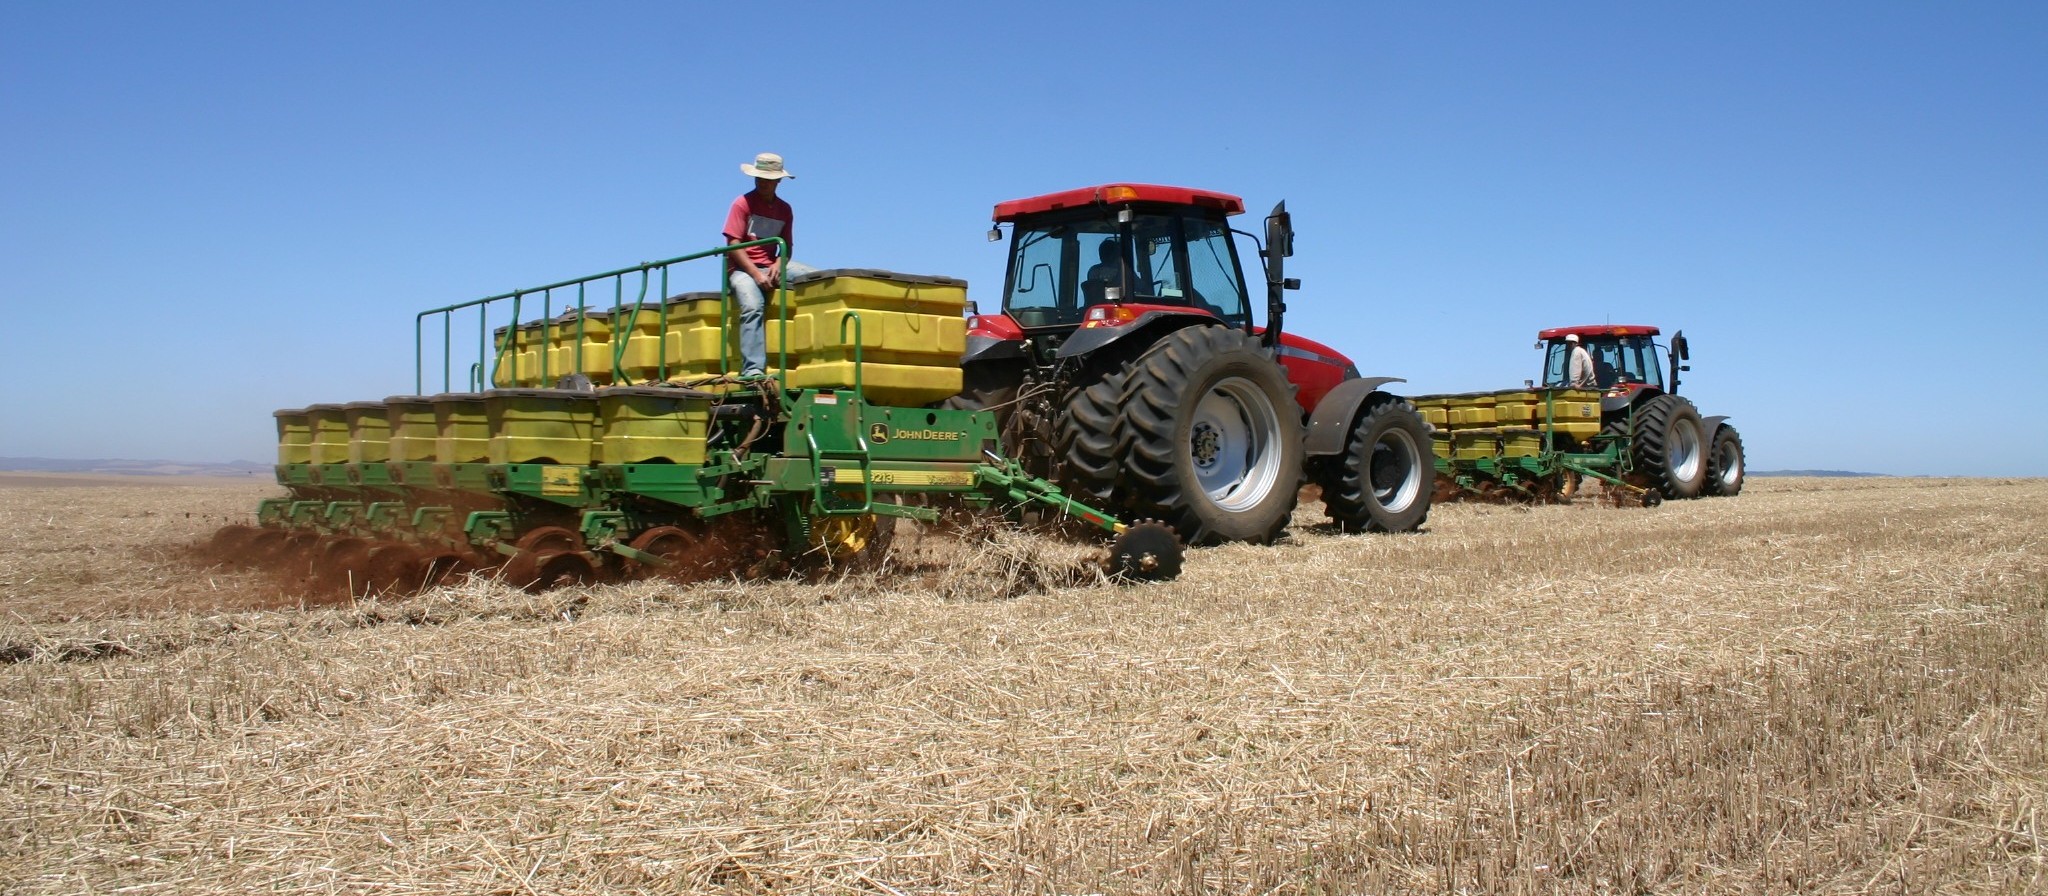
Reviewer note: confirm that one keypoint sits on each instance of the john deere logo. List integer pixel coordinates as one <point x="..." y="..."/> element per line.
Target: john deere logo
<point x="878" y="433"/>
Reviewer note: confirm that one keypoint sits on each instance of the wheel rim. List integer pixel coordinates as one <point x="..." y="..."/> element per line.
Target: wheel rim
<point x="1729" y="460"/>
<point x="1395" y="470"/>
<point x="1685" y="452"/>
<point x="1233" y="442"/>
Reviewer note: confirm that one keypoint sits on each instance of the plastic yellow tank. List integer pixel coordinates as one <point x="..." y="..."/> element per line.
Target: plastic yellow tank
<point x="692" y="338"/>
<point x="522" y="355"/>
<point x="1440" y="443"/>
<point x="1516" y="408"/>
<point x="1474" y="444"/>
<point x="294" y="436"/>
<point x="1521" y="442"/>
<point x="695" y="349"/>
<point x="1574" y="412"/>
<point x="369" y="432"/>
<point x="637" y="332"/>
<point x="586" y="350"/>
<point x="1435" y="409"/>
<point x="652" y="424"/>
<point x="911" y="333"/>
<point x="463" y="430"/>
<point x="541" y="426"/>
<point x="329" y="424"/>
<point x="413" y="430"/>
<point x="1472" y="409"/>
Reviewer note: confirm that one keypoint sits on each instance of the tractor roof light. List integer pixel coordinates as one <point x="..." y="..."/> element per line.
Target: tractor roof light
<point x="1120" y="193"/>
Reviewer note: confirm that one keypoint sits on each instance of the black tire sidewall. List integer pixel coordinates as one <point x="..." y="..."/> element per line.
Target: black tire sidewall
<point x="1387" y="417"/>
<point x="1213" y="524"/>
<point x="1715" y="471"/>
<point x="1651" y="426"/>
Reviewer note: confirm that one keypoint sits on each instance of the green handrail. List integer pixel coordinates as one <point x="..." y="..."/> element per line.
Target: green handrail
<point x="853" y="317"/>
<point x="725" y="309"/>
<point x="447" y="312"/>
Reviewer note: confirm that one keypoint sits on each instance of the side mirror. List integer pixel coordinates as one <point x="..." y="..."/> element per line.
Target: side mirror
<point x="1280" y="232"/>
<point x="1678" y="346"/>
<point x="995" y="234"/>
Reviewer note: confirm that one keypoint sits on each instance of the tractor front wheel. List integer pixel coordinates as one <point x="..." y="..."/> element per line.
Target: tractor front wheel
<point x="1213" y="436"/>
<point x="1725" y="463"/>
<point x="1384" y="479"/>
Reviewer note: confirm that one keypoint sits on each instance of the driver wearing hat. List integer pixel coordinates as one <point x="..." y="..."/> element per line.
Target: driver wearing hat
<point x="1581" y="373"/>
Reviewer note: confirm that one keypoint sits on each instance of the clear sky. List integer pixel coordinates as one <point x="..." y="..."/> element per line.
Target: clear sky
<point x="210" y="211"/>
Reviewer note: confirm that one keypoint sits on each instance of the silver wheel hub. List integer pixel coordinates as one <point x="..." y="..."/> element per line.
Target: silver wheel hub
<point x="1395" y="472"/>
<point x="1685" y="453"/>
<point x="1234" y="444"/>
<point x="1730" y="462"/>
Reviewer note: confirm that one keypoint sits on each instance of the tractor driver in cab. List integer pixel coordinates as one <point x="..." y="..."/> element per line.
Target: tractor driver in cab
<point x="1580" y="371"/>
<point x="1109" y="273"/>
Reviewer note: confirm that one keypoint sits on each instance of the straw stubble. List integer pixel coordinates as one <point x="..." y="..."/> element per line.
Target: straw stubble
<point x="1822" y="685"/>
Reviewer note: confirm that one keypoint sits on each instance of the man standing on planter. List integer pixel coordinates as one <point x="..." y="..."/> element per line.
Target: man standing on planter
<point x="755" y="271"/>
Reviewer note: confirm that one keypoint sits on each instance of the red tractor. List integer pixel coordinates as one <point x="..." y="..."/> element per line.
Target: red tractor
<point x="1126" y="366"/>
<point x="1672" y="448"/>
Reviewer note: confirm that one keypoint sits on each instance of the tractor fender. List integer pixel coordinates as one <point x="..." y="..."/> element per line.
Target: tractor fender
<point x="1330" y="424"/>
<point x="990" y="348"/>
<point x="1708" y="427"/>
<point x="1624" y="401"/>
<point x="1153" y="323"/>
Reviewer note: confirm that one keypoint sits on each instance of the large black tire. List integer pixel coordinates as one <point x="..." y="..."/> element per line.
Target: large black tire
<point x="985" y="385"/>
<point x="1088" y="439"/>
<point x="1385" y="477"/>
<point x="1726" y="463"/>
<point x="1212" y="440"/>
<point x="1668" y="447"/>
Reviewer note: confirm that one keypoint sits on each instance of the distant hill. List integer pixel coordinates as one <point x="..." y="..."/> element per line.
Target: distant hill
<point x="1829" y="473"/>
<point x="133" y="467"/>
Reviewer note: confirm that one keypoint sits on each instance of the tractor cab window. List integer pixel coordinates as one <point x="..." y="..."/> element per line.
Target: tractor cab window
<point x="1639" y="361"/>
<point x="1557" y="362"/>
<point x="1045" y="284"/>
<point x="1623" y="361"/>
<point x="1059" y="269"/>
<point x="1156" y="237"/>
<point x="1218" y="287"/>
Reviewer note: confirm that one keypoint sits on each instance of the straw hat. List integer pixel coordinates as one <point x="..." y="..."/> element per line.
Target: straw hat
<point x="768" y="165"/>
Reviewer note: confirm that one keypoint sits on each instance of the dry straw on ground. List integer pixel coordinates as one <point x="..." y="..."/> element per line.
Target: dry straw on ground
<point x="1821" y="686"/>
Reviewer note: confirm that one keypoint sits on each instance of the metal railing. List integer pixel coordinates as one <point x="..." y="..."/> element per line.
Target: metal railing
<point x="484" y="371"/>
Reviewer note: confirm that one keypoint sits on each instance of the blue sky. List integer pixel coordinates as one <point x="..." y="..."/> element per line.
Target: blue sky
<point x="209" y="213"/>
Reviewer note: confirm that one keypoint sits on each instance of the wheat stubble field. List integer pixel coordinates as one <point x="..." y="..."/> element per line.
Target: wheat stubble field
<point x="1827" y="686"/>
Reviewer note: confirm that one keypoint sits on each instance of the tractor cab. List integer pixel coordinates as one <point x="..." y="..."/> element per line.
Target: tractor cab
<point x="1626" y="358"/>
<point x="1118" y="267"/>
<point x="1127" y="365"/>
<point x="1110" y="254"/>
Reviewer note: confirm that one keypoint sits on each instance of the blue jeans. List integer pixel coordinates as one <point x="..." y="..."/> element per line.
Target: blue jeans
<point x="753" y="308"/>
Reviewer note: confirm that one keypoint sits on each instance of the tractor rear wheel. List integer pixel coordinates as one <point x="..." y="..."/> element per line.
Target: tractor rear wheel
<point x="988" y="385"/>
<point x="1212" y="440"/>
<point x="1668" y="447"/>
<point x="1385" y="477"/>
<point x="1088" y="438"/>
<point x="1725" y="463"/>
